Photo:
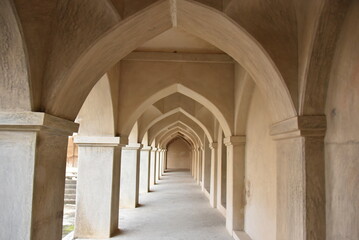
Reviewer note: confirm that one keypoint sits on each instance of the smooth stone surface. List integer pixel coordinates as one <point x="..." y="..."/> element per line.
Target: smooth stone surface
<point x="130" y="169"/>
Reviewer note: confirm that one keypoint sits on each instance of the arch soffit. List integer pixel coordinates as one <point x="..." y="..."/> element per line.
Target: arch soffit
<point x="18" y="92"/>
<point x="174" y="111"/>
<point x="242" y="104"/>
<point x="195" y="18"/>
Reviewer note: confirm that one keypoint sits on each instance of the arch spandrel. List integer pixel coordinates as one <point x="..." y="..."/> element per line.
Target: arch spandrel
<point x="209" y="84"/>
<point x="222" y="32"/>
<point x="96" y="116"/>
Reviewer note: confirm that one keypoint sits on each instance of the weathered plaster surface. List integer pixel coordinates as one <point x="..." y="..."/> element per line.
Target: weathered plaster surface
<point x="342" y="139"/>
<point x="261" y="173"/>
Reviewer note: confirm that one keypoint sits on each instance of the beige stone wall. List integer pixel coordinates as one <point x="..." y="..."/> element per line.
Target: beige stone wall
<point x="342" y="138"/>
<point x="260" y="209"/>
<point x="178" y="155"/>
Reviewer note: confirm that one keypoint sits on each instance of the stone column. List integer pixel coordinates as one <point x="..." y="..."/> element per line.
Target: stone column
<point x="157" y="170"/>
<point x="213" y="192"/>
<point x="153" y="167"/>
<point x="219" y="176"/>
<point x="199" y="168"/>
<point x="164" y="161"/>
<point x="97" y="193"/>
<point x="145" y="169"/>
<point x="32" y="174"/>
<point x="301" y="178"/>
<point x="193" y="169"/>
<point x="203" y="168"/>
<point x="161" y="164"/>
<point x="130" y="175"/>
<point x="235" y="183"/>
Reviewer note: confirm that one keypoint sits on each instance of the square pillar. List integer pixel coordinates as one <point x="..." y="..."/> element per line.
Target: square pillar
<point x="199" y="168"/>
<point x="97" y="193"/>
<point x="213" y="192"/>
<point x="194" y="164"/>
<point x="203" y="168"/>
<point x="130" y="175"/>
<point x="157" y="166"/>
<point x="145" y="169"/>
<point x="220" y="148"/>
<point x="235" y="183"/>
<point x="153" y="167"/>
<point x="32" y="174"/>
<point x="164" y="161"/>
<point x="301" y="178"/>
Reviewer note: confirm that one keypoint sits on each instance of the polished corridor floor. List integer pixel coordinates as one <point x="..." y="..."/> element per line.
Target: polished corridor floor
<point x="176" y="209"/>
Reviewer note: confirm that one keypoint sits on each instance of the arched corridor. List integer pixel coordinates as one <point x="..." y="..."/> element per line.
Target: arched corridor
<point x="179" y="207"/>
<point x="179" y="119"/>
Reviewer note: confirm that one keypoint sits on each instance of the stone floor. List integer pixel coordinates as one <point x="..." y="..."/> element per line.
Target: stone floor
<point x="69" y="219"/>
<point x="176" y="209"/>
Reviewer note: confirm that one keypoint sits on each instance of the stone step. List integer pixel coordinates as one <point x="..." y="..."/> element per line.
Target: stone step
<point x="70" y="196"/>
<point x="70" y="186"/>
<point x="69" y="201"/>
<point x="70" y="181"/>
<point x="70" y="191"/>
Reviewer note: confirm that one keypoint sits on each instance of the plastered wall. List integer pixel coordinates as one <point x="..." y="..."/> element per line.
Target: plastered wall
<point x="178" y="155"/>
<point x="342" y="138"/>
<point x="260" y="209"/>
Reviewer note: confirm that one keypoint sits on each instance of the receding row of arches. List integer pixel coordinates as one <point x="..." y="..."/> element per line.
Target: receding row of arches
<point x="247" y="111"/>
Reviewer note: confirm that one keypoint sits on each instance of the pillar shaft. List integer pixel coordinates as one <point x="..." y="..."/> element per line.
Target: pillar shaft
<point x="158" y="166"/>
<point x="130" y="176"/>
<point x="97" y="187"/>
<point x="32" y="173"/>
<point x="235" y="183"/>
<point x="199" y="168"/>
<point x="219" y="177"/>
<point x="153" y="167"/>
<point x="213" y="192"/>
<point x="301" y="179"/>
<point x="164" y="161"/>
<point x="145" y="169"/>
<point x="203" y="168"/>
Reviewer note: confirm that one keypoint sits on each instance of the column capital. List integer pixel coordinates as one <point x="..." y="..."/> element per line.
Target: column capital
<point x="92" y="141"/>
<point x="36" y="121"/>
<point x="234" y="140"/>
<point x="154" y="149"/>
<point x="213" y="145"/>
<point x="146" y="148"/>
<point x="300" y="126"/>
<point x="132" y="146"/>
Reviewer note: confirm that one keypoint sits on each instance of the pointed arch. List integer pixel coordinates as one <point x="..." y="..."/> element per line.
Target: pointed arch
<point x="185" y="113"/>
<point x="193" y="17"/>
